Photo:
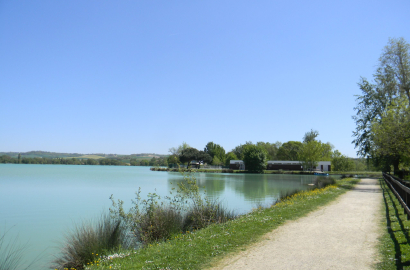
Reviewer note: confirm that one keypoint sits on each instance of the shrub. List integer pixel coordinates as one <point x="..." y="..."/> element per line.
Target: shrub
<point x="323" y="181"/>
<point x="201" y="216"/>
<point x="158" y="224"/>
<point x="86" y="243"/>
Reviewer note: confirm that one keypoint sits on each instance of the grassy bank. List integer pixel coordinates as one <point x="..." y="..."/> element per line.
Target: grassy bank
<point x="202" y="248"/>
<point x="394" y="245"/>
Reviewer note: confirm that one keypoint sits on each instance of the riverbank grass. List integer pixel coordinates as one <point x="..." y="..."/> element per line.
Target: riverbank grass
<point x="394" y="243"/>
<point x="203" y="248"/>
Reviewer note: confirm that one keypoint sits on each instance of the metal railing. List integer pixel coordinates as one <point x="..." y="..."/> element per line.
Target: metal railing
<point x="401" y="189"/>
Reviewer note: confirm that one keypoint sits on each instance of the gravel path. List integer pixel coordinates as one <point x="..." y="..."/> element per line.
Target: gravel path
<point x="341" y="235"/>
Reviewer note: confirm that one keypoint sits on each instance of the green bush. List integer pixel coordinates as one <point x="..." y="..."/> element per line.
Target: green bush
<point x="199" y="217"/>
<point x="91" y="240"/>
<point x="159" y="224"/>
<point x="323" y="181"/>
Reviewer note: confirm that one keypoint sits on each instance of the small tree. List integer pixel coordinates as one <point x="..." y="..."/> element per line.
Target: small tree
<point x="189" y="154"/>
<point x="341" y="162"/>
<point x="310" y="154"/>
<point x="254" y="158"/>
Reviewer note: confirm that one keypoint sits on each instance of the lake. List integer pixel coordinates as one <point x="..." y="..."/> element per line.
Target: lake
<point x="41" y="203"/>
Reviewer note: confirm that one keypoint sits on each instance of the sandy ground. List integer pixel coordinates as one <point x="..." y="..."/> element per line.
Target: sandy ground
<point x="341" y="235"/>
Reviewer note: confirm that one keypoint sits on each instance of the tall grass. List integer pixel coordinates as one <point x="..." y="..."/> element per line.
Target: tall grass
<point x="86" y="243"/>
<point x="201" y="216"/>
<point x="12" y="253"/>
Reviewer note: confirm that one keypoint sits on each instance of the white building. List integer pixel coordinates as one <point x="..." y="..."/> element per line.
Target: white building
<point x="323" y="166"/>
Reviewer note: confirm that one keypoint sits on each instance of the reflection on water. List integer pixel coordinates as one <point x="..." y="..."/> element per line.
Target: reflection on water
<point x="242" y="192"/>
<point x="43" y="202"/>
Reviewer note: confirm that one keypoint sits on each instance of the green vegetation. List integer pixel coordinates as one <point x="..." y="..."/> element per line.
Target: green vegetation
<point x="289" y="151"/>
<point x="216" y="152"/>
<point x="394" y="244"/>
<point x="324" y="181"/>
<point x="189" y="154"/>
<point x="186" y="209"/>
<point x="89" y="241"/>
<point x="382" y="111"/>
<point x="201" y="248"/>
<point x="254" y="158"/>
<point x="39" y="157"/>
<point x="90" y="157"/>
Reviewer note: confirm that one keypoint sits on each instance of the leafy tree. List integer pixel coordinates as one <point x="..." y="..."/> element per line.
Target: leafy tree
<point x="270" y="148"/>
<point x="310" y="154"/>
<point x="310" y="136"/>
<point x="391" y="135"/>
<point x="238" y="151"/>
<point x="216" y="161"/>
<point x="19" y="158"/>
<point x="91" y="161"/>
<point x="254" y="158"/>
<point x="176" y="151"/>
<point x="173" y="159"/>
<point x="395" y="66"/>
<point x="289" y="151"/>
<point x="215" y="150"/>
<point x="189" y="154"/>
<point x="230" y="156"/>
<point x="341" y="162"/>
<point x="391" y="82"/>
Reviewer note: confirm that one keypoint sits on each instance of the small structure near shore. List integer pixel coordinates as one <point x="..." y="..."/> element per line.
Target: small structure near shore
<point x="323" y="166"/>
<point x="236" y="165"/>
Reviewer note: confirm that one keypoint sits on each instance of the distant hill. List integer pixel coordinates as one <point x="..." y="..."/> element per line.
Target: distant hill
<point x="44" y="154"/>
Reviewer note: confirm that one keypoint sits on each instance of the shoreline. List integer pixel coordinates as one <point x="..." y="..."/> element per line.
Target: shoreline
<point x="347" y="174"/>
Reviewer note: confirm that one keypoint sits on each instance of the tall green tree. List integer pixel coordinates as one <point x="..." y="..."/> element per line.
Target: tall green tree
<point x="391" y="82"/>
<point x="391" y="134"/>
<point x="310" y="136"/>
<point x="239" y="150"/>
<point x="178" y="150"/>
<point x="254" y="158"/>
<point x="289" y="151"/>
<point x="310" y="154"/>
<point x="215" y="150"/>
<point x="270" y="148"/>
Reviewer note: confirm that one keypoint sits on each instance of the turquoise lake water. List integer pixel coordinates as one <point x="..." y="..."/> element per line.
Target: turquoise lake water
<point x="40" y="203"/>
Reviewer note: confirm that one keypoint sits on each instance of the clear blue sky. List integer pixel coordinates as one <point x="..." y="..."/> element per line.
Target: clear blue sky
<point x="143" y="76"/>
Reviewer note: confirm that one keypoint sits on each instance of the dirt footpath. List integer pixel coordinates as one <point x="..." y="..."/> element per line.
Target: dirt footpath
<point x="341" y="235"/>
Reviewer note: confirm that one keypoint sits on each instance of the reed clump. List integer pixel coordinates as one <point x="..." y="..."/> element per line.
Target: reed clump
<point x="11" y="253"/>
<point x="91" y="240"/>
